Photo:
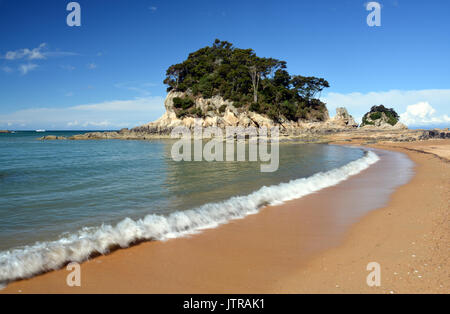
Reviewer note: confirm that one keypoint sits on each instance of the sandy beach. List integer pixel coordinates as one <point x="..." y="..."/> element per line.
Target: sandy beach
<point x="320" y="243"/>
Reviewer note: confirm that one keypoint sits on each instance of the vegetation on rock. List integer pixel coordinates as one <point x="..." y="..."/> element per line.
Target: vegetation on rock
<point x="262" y="85"/>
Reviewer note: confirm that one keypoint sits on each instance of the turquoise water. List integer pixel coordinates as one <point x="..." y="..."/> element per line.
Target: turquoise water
<point x="49" y="189"/>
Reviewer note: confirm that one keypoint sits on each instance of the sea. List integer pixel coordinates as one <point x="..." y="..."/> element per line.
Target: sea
<point x="64" y="201"/>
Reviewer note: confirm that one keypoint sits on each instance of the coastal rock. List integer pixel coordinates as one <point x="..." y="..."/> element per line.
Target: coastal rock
<point x="374" y="135"/>
<point x="436" y="134"/>
<point x="380" y="117"/>
<point x="5" y="131"/>
<point x="343" y="118"/>
<point x="221" y="113"/>
<point x="217" y="113"/>
<point x="52" y="138"/>
<point x="400" y="126"/>
<point x="383" y="124"/>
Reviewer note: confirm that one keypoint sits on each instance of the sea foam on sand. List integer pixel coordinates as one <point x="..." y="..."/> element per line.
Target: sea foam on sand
<point x="45" y="256"/>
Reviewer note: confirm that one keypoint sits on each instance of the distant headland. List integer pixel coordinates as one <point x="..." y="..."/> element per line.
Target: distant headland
<point x="221" y="86"/>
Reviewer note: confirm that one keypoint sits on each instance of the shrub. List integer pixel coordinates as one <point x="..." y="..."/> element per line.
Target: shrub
<point x="255" y="107"/>
<point x="375" y="116"/>
<point x="181" y="113"/>
<point x="183" y="103"/>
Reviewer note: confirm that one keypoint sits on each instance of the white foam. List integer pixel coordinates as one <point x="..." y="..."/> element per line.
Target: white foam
<point x="44" y="256"/>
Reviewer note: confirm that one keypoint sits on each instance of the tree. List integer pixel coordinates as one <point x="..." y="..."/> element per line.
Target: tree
<point x="308" y="87"/>
<point x="255" y="74"/>
<point x="174" y="76"/>
<point x="262" y="67"/>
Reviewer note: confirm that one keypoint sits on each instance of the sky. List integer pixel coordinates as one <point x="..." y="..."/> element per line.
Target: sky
<point x="108" y="73"/>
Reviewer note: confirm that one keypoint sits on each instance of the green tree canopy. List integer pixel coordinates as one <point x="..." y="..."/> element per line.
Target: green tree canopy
<point x="251" y="82"/>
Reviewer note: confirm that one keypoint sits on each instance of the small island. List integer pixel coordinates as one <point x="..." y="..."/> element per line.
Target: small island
<point x="5" y="131"/>
<point x="380" y="116"/>
<point x="249" y="82"/>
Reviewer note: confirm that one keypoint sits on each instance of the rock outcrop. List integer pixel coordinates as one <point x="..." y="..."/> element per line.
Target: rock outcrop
<point x="5" y="131"/>
<point x="52" y="138"/>
<point x="380" y="117"/>
<point x="221" y="113"/>
<point x="343" y="119"/>
<point x="391" y="135"/>
<point x="383" y="123"/>
<point x="217" y="113"/>
<point x="436" y="134"/>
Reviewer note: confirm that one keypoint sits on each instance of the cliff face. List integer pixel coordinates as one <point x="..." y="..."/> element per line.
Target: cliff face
<point x="217" y="112"/>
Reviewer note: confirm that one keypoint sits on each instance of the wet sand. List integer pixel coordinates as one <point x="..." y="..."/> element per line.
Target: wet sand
<point x="319" y="243"/>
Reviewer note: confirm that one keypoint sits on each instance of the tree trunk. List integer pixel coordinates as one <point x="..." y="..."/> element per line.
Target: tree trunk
<point x="255" y="82"/>
<point x="255" y="90"/>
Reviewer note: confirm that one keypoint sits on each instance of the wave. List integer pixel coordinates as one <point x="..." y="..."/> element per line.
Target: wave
<point x="41" y="257"/>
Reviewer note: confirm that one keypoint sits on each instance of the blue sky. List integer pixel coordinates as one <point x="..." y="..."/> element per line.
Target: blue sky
<point x="108" y="73"/>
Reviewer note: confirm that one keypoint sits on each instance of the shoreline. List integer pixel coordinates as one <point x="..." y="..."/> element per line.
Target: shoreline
<point x="316" y="133"/>
<point x="409" y="238"/>
<point x="243" y="243"/>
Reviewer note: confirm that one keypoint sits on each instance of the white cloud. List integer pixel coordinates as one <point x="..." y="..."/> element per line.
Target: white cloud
<point x="25" y="68"/>
<point x="38" y="53"/>
<point x="30" y="54"/>
<point x="137" y="104"/>
<point x="422" y="114"/>
<point x="359" y="103"/>
<point x="91" y="66"/>
<point x="153" y="8"/>
<point x="105" y="115"/>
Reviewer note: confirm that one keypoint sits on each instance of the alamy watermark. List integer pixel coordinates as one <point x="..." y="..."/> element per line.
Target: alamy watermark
<point x="374" y="17"/>
<point x="73" y="279"/>
<point x="374" y="277"/>
<point x="258" y="143"/>
<point x="74" y="17"/>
